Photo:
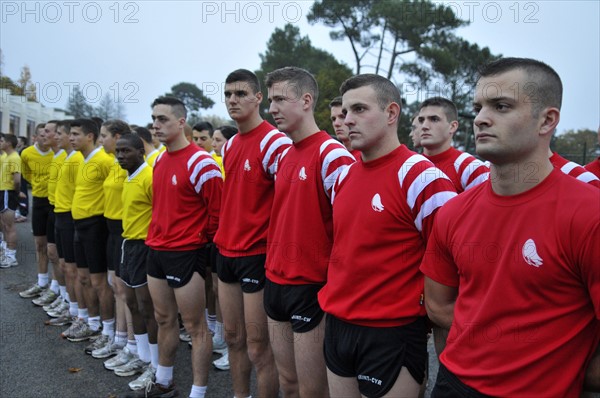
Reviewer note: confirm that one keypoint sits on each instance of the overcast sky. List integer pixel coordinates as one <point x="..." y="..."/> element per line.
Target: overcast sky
<point x="137" y="50"/>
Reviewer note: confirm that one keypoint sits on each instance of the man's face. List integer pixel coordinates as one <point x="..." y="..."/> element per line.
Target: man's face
<point x="3" y="144"/>
<point x="366" y="121"/>
<point x="128" y="157"/>
<point x="63" y="138"/>
<point x="415" y="132"/>
<point x="79" y="140"/>
<point x="107" y="140"/>
<point x="50" y="138"/>
<point x="287" y="106"/>
<point x="341" y="130"/>
<point x="202" y="139"/>
<point x="436" y="129"/>
<point x="240" y="101"/>
<point x="155" y="140"/>
<point x="506" y="130"/>
<point x="168" y="126"/>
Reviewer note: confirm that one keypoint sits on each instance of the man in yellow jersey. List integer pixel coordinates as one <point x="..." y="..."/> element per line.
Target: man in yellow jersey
<point x="64" y="232"/>
<point x="9" y="194"/>
<point x="150" y="152"/>
<point x="90" y="229"/>
<point x="137" y="213"/>
<point x="35" y="165"/>
<point x="57" y="292"/>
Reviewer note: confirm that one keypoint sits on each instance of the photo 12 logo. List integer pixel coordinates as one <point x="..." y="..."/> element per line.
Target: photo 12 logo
<point x="69" y="11"/>
<point x="90" y="92"/>
<point x="251" y="11"/>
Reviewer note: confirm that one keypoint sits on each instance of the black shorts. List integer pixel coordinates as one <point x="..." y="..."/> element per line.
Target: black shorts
<point x="113" y="244"/>
<point x="50" y="233"/>
<point x="447" y="385"/>
<point x="375" y="356"/>
<point x="39" y="216"/>
<point x="249" y="271"/>
<point x="65" y="233"/>
<point x="177" y="267"/>
<point x="9" y="200"/>
<point x="90" y="244"/>
<point x="212" y="257"/>
<point x="133" y="270"/>
<point x="297" y="304"/>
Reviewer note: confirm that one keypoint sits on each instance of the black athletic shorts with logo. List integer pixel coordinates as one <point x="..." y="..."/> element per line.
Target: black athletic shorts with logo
<point x="40" y="211"/>
<point x="91" y="235"/>
<point x="297" y="304"/>
<point x="65" y="236"/>
<point x="249" y="271"/>
<point x="447" y="385"/>
<point x="177" y="267"/>
<point x="133" y="269"/>
<point x="113" y="244"/>
<point x="9" y="200"/>
<point x="375" y="356"/>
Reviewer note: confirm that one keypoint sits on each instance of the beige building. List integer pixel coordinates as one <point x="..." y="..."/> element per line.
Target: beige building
<point x="19" y="116"/>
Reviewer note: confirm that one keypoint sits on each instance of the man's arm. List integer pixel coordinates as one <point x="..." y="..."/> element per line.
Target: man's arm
<point x="17" y="182"/>
<point x="439" y="301"/>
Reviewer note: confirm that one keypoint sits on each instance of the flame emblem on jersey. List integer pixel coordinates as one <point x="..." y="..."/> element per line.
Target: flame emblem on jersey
<point x="530" y="254"/>
<point x="376" y="203"/>
<point x="302" y="174"/>
<point x="247" y="166"/>
<point x="174" y="180"/>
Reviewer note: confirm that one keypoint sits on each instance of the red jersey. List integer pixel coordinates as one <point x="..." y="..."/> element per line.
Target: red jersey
<point x="249" y="161"/>
<point x="574" y="170"/>
<point x="383" y="212"/>
<point x="301" y="228"/>
<point x="526" y="267"/>
<point x="186" y="200"/>
<point x="464" y="169"/>
<point x="594" y="167"/>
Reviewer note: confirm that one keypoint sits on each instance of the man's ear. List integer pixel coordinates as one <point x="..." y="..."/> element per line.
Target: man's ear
<point x="393" y="113"/>
<point x="549" y="119"/>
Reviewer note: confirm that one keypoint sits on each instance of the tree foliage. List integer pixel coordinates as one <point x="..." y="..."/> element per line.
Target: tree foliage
<point x="193" y="98"/>
<point x="579" y="146"/>
<point x="286" y="47"/>
<point x="109" y="108"/>
<point x="78" y="106"/>
<point x="27" y="85"/>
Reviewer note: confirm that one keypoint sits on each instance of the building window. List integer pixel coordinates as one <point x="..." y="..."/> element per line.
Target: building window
<point x="14" y="125"/>
<point x="30" y="128"/>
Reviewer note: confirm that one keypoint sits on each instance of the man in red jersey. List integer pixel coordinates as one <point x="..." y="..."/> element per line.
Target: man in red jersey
<point x="249" y="159"/>
<point x="512" y="265"/>
<point x="573" y="169"/>
<point x="340" y="129"/>
<point x="375" y="333"/>
<point x="594" y="166"/>
<point x="186" y="202"/>
<point x="300" y="233"/>
<point x="438" y="120"/>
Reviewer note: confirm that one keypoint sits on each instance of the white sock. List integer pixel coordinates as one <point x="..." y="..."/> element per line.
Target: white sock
<point x="132" y="346"/>
<point x="73" y="309"/>
<point x="219" y="330"/>
<point x="211" y="320"/>
<point x="10" y="253"/>
<point x="198" y="391"/>
<point x="43" y="280"/>
<point x="154" y="355"/>
<point x="121" y="338"/>
<point x="94" y="322"/>
<point x="67" y="297"/>
<point x="82" y="313"/>
<point x="143" y="347"/>
<point x="63" y="292"/>
<point x="108" y="328"/>
<point x="164" y="375"/>
<point x="54" y="286"/>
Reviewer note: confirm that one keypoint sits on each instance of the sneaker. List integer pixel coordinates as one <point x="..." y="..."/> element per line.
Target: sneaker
<point x="131" y="368"/>
<point x="83" y="333"/>
<point x="146" y="379"/>
<point x="53" y="305"/>
<point x="107" y="351"/>
<point x="74" y="325"/>
<point x="184" y="335"/>
<point x="8" y="262"/>
<point x="98" y="343"/>
<point x="223" y="362"/>
<point x="121" y="359"/>
<point x="33" y="291"/>
<point x="219" y="345"/>
<point x="153" y="390"/>
<point x="61" y="320"/>
<point x="58" y="311"/>
<point x="45" y="298"/>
